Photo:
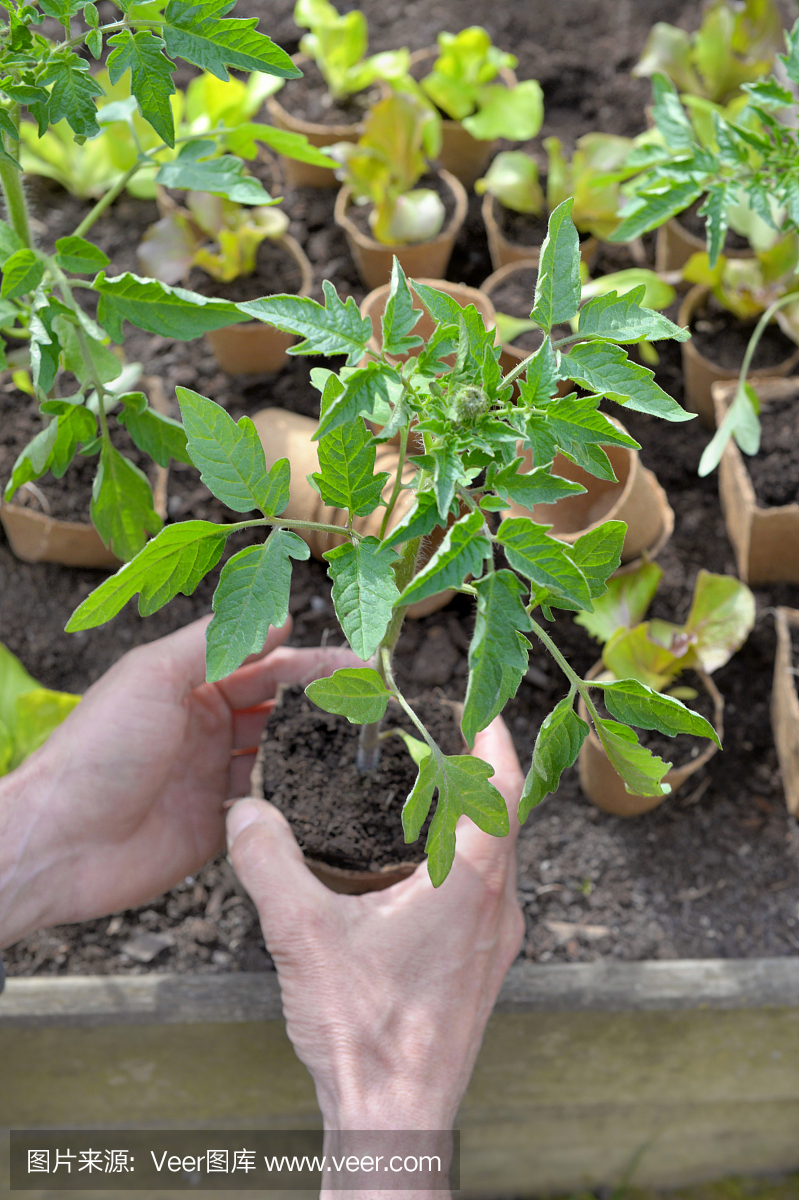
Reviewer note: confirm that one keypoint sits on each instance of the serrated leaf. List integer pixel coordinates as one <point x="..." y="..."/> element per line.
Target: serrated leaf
<point x="622" y="319"/>
<point x="534" y="554"/>
<point x="532" y="487"/>
<point x="80" y="257"/>
<point x="72" y="94"/>
<point x="122" y="504"/>
<point x="557" y="289"/>
<point x="364" y="591"/>
<point x="463" y="789"/>
<point x="157" y="308"/>
<point x="715" y="210"/>
<point x="556" y="747"/>
<point x="446" y="310"/>
<point x="202" y="35"/>
<point x="447" y="474"/>
<point x="252" y="595"/>
<point x="636" y="704"/>
<point x="362" y="391"/>
<point x="22" y="273"/>
<point x="150" y="76"/>
<point x="640" y="770"/>
<point x="332" y="328"/>
<point x="195" y="170"/>
<point x="62" y="10"/>
<point x="44" y="346"/>
<point x="230" y="457"/>
<point x="498" y="653"/>
<point x="541" y="377"/>
<point x="157" y="435"/>
<point x="580" y="431"/>
<point x="420" y="520"/>
<point x="669" y="115"/>
<point x="598" y="554"/>
<point x="174" y="561"/>
<point x="605" y="369"/>
<point x="399" y="315"/>
<point x="357" y="693"/>
<point x="347" y="476"/>
<point x="654" y="207"/>
<point x="624" y="603"/>
<point x="462" y="552"/>
<point x="54" y="447"/>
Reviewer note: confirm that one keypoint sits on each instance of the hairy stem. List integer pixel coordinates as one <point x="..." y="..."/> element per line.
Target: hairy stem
<point x="397" y="482"/>
<point x="13" y="194"/>
<point x="574" y="679"/>
<point x="106" y="200"/>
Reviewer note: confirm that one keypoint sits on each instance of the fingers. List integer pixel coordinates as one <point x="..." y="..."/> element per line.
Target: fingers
<point x="495" y="746"/>
<point x="254" y="681"/>
<point x="248" y="725"/>
<point x="241" y="766"/>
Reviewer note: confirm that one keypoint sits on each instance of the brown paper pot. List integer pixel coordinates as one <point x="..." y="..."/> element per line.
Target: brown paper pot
<point x="604" y="787"/>
<point x="675" y="245"/>
<point x="700" y="373"/>
<point x="636" y="498"/>
<point x="785" y="706"/>
<point x="428" y="259"/>
<point x="503" y="252"/>
<point x="301" y="174"/>
<point x="35" y="537"/>
<point x="254" y="348"/>
<point x="374" y="304"/>
<point x="288" y="435"/>
<point x="765" y="540"/>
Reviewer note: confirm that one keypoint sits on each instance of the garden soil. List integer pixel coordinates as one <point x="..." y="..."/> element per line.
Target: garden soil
<point x="711" y="873"/>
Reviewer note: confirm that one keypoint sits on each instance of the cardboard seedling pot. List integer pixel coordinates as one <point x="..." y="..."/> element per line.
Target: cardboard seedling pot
<point x="374" y="305"/>
<point x="428" y="259"/>
<point x="254" y="348"/>
<point x="34" y="537"/>
<point x="785" y="706"/>
<point x="675" y="245"/>
<point x="301" y="174"/>
<point x="700" y="373"/>
<point x="504" y="252"/>
<point x="765" y="540"/>
<point x="605" y="788"/>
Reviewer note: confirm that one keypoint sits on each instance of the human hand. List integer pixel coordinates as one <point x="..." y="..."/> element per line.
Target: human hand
<point x="126" y="796"/>
<point x="386" y="995"/>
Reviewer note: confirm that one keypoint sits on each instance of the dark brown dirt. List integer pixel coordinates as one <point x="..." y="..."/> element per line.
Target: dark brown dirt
<point x="308" y="99"/>
<point x="276" y="272"/>
<point x="722" y="338"/>
<point x="693" y="223"/>
<point x="515" y="297"/>
<point x="338" y="815"/>
<point x="523" y="229"/>
<point x="774" y="470"/>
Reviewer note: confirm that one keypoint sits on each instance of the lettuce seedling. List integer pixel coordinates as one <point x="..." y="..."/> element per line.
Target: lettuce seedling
<point x="400" y="134"/>
<point x="469" y="469"/>
<point x="28" y="712"/>
<point x="338" y="44"/>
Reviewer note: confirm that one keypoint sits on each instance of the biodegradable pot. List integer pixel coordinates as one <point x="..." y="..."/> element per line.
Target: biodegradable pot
<point x="605" y="788"/>
<point x="464" y="156"/>
<point x="34" y="537"/>
<point x="785" y="706"/>
<point x="765" y="540"/>
<point x="288" y="435"/>
<point x="255" y="348"/>
<point x="428" y="259"/>
<point x="374" y="304"/>
<point x="503" y="252"/>
<point x="636" y="497"/>
<point x="700" y="373"/>
<point x="675" y="245"/>
<point x="301" y="174"/>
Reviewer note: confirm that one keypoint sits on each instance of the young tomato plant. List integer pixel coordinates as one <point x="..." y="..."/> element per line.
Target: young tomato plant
<point x="468" y="470"/>
<point x="42" y="296"/>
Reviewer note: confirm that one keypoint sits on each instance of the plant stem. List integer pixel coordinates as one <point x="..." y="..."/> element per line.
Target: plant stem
<point x="14" y="196"/>
<point x="574" y="679"/>
<point x="397" y="482"/>
<point x="104" y="201"/>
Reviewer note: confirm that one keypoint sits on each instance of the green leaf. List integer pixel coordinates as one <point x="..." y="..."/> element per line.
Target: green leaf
<point x="22" y="273"/>
<point x="417" y="749"/>
<point x="122" y="504"/>
<point x="39" y="712"/>
<point x="62" y="10"/>
<point x="541" y="378"/>
<point x="462" y="552"/>
<point x="155" y="434"/>
<point x="347" y="461"/>
<point x="574" y="424"/>
<point x="201" y="34"/>
<point x="157" y="308"/>
<point x="77" y="255"/>
<point x="557" y="289"/>
<point x="332" y="328"/>
<point x="556" y="747"/>
<point x="252" y="595"/>
<point x="636" y="704"/>
<point x="10" y="242"/>
<point x="532" y="487"/>
<point x="363" y="388"/>
<point x="291" y="145"/>
<point x="605" y="369"/>
<point x="445" y="309"/>
<point x="53" y="448"/>
<point x="622" y="319"/>
<point x="654" y="207"/>
<point x="598" y="554"/>
<point x="721" y="618"/>
<point x="195" y="170"/>
<point x="230" y="457"/>
<point x="357" y="693"/>
<point x="504" y="112"/>
<point x="399" y="315"/>
<point x="150" y="76"/>
<point x="103" y="363"/>
<point x="174" y="561"/>
<point x="624" y="603"/>
<point x="741" y="422"/>
<point x="72" y="94"/>
<point x="44" y="346"/>
<point x="364" y="591"/>
<point x="715" y="210"/>
<point x="669" y="115"/>
<point x="420" y="520"/>
<point x="534" y="554"/>
<point x="498" y="653"/>
<point x="640" y="770"/>
<point x="463" y="789"/>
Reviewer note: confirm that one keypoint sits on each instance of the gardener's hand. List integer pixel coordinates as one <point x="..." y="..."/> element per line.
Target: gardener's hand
<point x="386" y="995"/>
<point x="126" y="797"/>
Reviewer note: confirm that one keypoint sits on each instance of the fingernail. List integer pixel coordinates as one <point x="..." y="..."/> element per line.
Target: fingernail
<point x="243" y="813"/>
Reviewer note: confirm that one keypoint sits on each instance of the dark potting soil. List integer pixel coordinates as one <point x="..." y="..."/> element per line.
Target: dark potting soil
<point x="675" y="750"/>
<point x="722" y="338"/>
<point x="338" y="815"/>
<point x="276" y="271"/>
<point x="523" y="229"/>
<point x="774" y="470"/>
<point x="693" y="223"/>
<point x="515" y="297"/>
<point x="308" y="99"/>
<point x="359" y="213"/>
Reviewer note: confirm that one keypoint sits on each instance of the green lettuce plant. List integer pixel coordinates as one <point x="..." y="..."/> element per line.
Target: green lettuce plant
<point x="513" y="179"/>
<point x="51" y="81"/>
<point x="469" y="469"/>
<point x="338" y="43"/>
<point x="461" y="84"/>
<point x="381" y="168"/>
<point x="28" y="712"/>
